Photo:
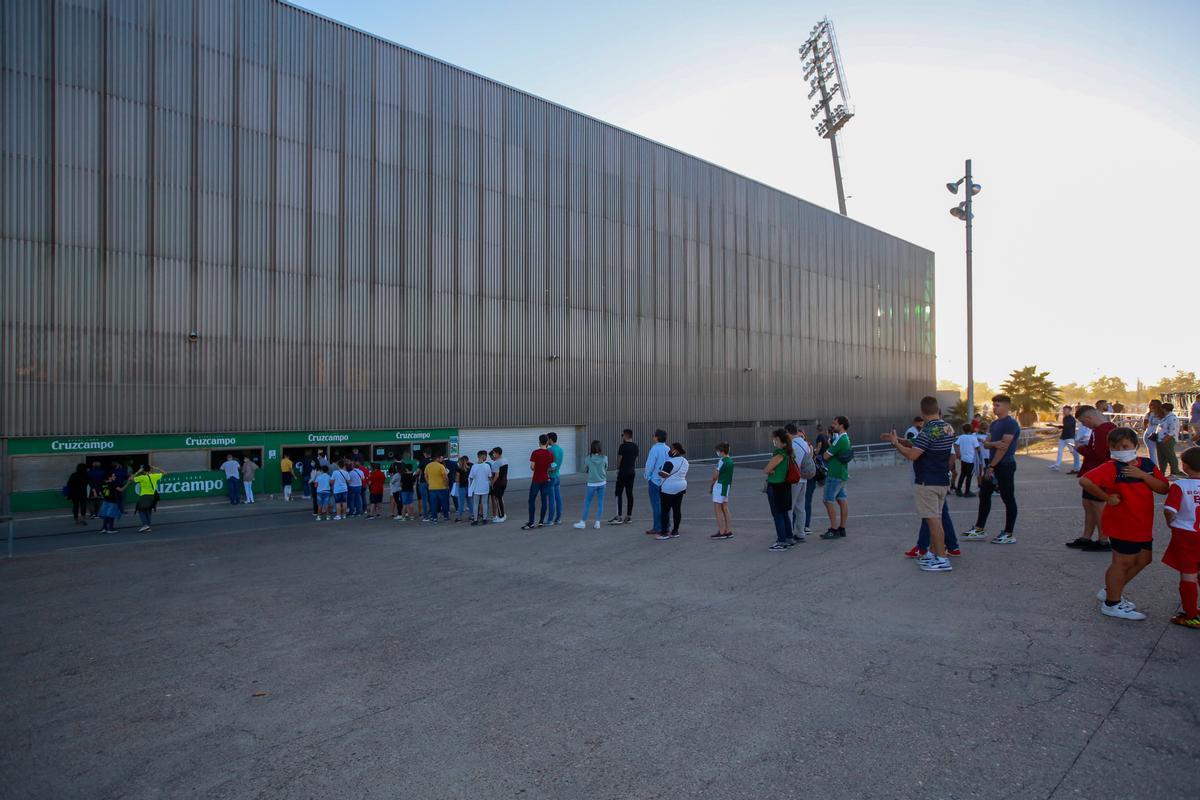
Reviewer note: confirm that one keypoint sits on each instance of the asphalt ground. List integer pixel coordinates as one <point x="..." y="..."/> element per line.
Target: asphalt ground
<point x="250" y="652"/>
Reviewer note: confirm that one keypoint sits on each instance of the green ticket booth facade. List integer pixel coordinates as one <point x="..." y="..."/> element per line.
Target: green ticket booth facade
<point x="38" y="468"/>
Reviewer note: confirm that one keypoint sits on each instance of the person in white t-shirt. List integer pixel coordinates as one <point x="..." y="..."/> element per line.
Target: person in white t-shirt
<point x="800" y="449"/>
<point x="233" y="479"/>
<point x="479" y="487"/>
<point x="966" y="448"/>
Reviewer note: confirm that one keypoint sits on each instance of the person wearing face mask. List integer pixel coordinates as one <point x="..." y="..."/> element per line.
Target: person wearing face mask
<point x="722" y="479"/>
<point x="779" y="491"/>
<point x="1094" y="453"/>
<point x="1154" y="416"/>
<point x="1126" y="485"/>
<point x="674" y="486"/>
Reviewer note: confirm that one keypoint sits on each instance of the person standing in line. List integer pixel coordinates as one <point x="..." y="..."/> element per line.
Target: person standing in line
<point x="479" y="488"/>
<point x="408" y="492"/>
<point x="1103" y="407"/>
<point x="146" y="480"/>
<point x="423" y="501"/>
<point x="233" y="479"/>
<point x="779" y="492"/>
<point x="340" y="481"/>
<point x="540" y="461"/>
<point x="652" y="469"/>
<point x="722" y="480"/>
<point x="394" y="484"/>
<point x="965" y="447"/>
<point x="1066" y="440"/>
<point x="308" y="464"/>
<point x="110" y="507"/>
<point x="437" y="477"/>
<point x="1127" y="484"/>
<point x="1000" y="473"/>
<point x="820" y="446"/>
<point x="121" y="471"/>
<point x="76" y="490"/>
<point x="499" y="484"/>
<point x="354" y="487"/>
<point x="597" y="479"/>
<point x="1182" y="510"/>
<point x="375" y="482"/>
<point x="458" y="505"/>
<point x="460" y="483"/>
<point x="1095" y="453"/>
<point x="1168" y="433"/>
<point x="931" y="454"/>
<point x="322" y="492"/>
<point x="914" y="429"/>
<point x="674" y="486"/>
<point x="627" y="455"/>
<point x="96" y="477"/>
<point x="802" y="455"/>
<point x="323" y="460"/>
<point x="554" y="517"/>
<point x="285" y="477"/>
<point x="1154" y="416"/>
<point x="311" y="489"/>
<point x="837" y="474"/>
<point x="364" y="469"/>
<point x="1194" y="422"/>
<point x="249" y="468"/>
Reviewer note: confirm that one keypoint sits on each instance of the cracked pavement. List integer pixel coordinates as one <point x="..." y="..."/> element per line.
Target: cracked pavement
<point x="262" y="655"/>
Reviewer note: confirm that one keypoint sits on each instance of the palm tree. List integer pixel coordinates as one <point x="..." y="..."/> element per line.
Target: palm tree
<point x="1031" y="391"/>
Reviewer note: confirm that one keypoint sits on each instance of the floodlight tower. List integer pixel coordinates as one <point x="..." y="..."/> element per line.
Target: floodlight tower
<point x="823" y="71"/>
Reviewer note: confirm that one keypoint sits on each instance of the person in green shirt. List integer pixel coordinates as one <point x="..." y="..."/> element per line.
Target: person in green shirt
<point x="722" y="479"/>
<point x="779" y="491"/>
<point x="837" y="472"/>
<point x="146" y="480"/>
<point x="554" y="517"/>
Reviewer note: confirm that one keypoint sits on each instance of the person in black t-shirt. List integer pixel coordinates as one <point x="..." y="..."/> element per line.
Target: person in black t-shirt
<point x="1066" y="441"/>
<point x="627" y="454"/>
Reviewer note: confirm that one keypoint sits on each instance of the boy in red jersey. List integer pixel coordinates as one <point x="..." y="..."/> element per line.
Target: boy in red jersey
<point x="1182" y="511"/>
<point x="1126" y="485"/>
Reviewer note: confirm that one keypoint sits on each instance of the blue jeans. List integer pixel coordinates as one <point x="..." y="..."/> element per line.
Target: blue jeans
<point x="539" y="490"/>
<point x="439" y="500"/>
<point x="556" y="504"/>
<point x="462" y="503"/>
<point x="655" y="492"/>
<point x="598" y="493"/>
<point x="947" y="525"/>
<point x="779" y="498"/>
<point x="423" y="494"/>
<point x="233" y="487"/>
<point x="145" y="517"/>
<point x="354" y="501"/>
<point x="808" y="495"/>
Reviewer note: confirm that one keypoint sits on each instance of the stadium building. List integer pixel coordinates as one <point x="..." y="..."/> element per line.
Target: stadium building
<point x="240" y="227"/>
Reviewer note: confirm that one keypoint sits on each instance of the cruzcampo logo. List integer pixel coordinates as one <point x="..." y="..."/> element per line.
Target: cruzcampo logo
<point x="191" y="483"/>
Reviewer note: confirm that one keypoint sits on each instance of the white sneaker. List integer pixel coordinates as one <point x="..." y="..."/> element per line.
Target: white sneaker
<point x="974" y="533"/>
<point x="935" y="564"/>
<point x="926" y="557"/>
<point x="807" y="531"/>
<point x="1054" y="467"/>
<point x="502" y="519"/>
<point x="1122" y="610"/>
<point x="596" y="525"/>
<point x="1102" y="595"/>
<point x="1005" y="538"/>
<point x="580" y="525"/>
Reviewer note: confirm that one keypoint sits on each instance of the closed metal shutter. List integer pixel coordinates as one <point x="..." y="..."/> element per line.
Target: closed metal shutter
<point x="518" y="443"/>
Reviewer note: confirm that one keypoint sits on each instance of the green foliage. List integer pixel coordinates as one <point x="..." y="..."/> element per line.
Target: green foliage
<point x="1074" y="393"/>
<point x="1110" y="388"/>
<point x="945" y="385"/>
<point x="1032" y="391"/>
<point x="1180" y="382"/>
<point x="958" y="414"/>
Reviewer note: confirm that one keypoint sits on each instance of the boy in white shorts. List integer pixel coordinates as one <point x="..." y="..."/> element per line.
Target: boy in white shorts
<point x="722" y="479"/>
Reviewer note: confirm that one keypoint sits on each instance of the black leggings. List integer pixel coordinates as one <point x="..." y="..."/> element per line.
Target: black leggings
<point x="965" y="473"/>
<point x="1003" y="480"/>
<point x="79" y="507"/>
<point x="625" y="485"/>
<point x="672" y="504"/>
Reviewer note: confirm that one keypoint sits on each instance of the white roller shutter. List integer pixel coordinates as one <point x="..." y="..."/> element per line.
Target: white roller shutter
<point x="518" y="443"/>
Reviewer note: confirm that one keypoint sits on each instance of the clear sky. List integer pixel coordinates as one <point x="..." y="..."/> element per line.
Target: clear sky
<point x="1082" y="119"/>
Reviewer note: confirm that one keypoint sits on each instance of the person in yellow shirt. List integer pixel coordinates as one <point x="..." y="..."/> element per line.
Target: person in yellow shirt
<point x="146" y="480"/>
<point x="285" y="477"/>
<point x="437" y="477"/>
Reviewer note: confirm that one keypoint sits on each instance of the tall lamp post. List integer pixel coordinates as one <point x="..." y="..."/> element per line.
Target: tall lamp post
<point x="823" y="71"/>
<point x="963" y="211"/>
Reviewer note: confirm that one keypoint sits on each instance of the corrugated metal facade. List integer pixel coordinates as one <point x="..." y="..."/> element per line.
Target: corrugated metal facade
<point x="365" y="237"/>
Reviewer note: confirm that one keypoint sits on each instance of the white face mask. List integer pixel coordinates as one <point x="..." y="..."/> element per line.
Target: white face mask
<point x="1123" y="455"/>
<point x="720" y="456"/>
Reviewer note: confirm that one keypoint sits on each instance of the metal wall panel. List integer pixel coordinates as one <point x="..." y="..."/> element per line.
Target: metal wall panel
<point x="365" y="237"/>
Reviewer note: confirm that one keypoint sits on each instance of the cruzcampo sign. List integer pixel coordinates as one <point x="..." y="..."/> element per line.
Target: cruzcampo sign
<point x="317" y="438"/>
<point x="66" y="445"/>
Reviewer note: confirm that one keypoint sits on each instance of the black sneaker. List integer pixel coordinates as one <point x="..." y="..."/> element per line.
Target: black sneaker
<point x="841" y="532"/>
<point x="674" y="534"/>
<point x="617" y="520"/>
<point x="1079" y="543"/>
<point x="830" y="534"/>
<point x="778" y="547"/>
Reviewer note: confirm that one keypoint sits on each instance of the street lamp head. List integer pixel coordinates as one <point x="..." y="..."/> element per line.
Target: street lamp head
<point x="956" y="212"/>
<point x="975" y="189"/>
<point x="952" y="188"/>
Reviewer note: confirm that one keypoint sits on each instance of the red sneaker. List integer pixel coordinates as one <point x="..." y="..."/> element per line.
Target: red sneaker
<point x="653" y="533"/>
<point x="953" y="551"/>
<point x="916" y="552"/>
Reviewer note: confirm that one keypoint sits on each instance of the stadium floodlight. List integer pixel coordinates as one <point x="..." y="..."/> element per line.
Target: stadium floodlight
<point x="823" y="70"/>
<point x="963" y="212"/>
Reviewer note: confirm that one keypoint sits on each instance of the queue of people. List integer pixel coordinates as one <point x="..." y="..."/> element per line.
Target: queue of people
<point x="97" y="492"/>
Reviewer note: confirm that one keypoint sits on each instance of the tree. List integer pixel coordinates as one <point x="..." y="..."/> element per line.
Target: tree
<point x="1110" y="388"/>
<point x="958" y="414"/>
<point x="1180" y="382"/>
<point x="946" y="385"/>
<point x="1031" y="391"/>
<point x="1074" y="393"/>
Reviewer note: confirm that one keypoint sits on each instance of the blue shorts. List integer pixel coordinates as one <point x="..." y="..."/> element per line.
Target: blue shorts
<point x="323" y="498"/>
<point x="340" y="497"/>
<point x="406" y="498"/>
<point x="835" y="489"/>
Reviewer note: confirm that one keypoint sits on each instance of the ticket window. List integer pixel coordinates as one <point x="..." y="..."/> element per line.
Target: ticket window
<point x="42" y="473"/>
<point x="432" y="449"/>
<point x="350" y="452"/>
<point x="389" y="452"/>
<point x="216" y="458"/>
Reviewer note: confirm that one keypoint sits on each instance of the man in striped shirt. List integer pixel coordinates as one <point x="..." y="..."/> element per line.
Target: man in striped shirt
<point x="931" y="453"/>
